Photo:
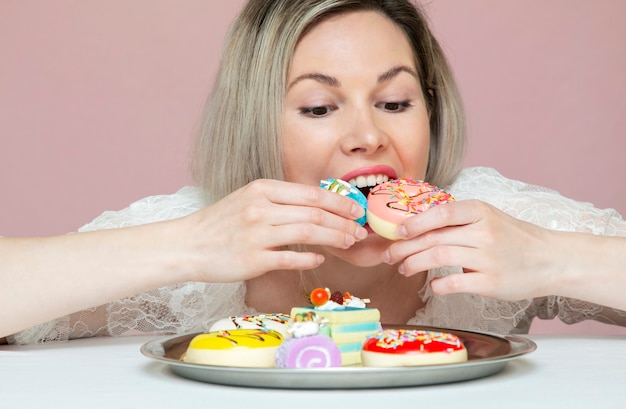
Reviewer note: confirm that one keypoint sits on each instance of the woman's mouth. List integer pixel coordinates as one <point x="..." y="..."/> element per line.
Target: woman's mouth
<point x="366" y="182"/>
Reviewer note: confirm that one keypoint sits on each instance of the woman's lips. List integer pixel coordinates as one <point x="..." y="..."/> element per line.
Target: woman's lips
<point x="371" y="170"/>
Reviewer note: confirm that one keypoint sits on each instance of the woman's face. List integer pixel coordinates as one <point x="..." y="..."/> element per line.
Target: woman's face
<point x="355" y="110"/>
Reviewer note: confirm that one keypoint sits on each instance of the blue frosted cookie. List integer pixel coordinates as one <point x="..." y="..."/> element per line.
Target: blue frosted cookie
<point x="345" y="189"/>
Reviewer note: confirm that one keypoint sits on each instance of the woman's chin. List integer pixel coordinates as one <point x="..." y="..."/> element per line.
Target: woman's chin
<point x="366" y="253"/>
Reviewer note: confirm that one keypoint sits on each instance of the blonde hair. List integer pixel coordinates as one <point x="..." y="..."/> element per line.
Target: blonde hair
<point x="240" y="137"/>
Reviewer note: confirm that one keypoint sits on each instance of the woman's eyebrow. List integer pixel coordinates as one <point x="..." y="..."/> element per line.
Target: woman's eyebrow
<point x="389" y="74"/>
<point x="322" y="78"/>
<point x="334" y="82"/>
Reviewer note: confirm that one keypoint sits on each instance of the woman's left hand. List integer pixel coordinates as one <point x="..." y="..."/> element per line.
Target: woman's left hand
<point x="501" y="256"/>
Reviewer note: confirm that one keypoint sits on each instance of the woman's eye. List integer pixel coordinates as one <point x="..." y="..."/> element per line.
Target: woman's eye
<point x="395" y="106"/>
<point x="316" y="112"/>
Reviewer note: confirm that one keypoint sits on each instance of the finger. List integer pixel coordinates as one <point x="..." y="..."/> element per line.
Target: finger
<point x="441" y="256"/>
<point x="402" y="249"/>
<point x="285" y="214"/>
<point x="312" y="196"/>
<point x="310" y="234"/>
<point x="289" y="260"/>
<point x="476" y="283"/>
<point x="465" y="236"/>
<point x="254" y="265"/>
<point x="450" y="214"/>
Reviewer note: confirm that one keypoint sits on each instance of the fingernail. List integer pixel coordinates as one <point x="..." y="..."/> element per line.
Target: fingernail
<point x="401" y="269"/>
<point x="402" y="232"/>
<point x="349" y="240"/>
<point x="386" y="257"/>
<point x="357" y="211"/>
<point x="361" y="233"/>
<point x="319" y="259"/>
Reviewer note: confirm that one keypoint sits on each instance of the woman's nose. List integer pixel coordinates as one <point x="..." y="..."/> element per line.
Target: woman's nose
<point x="365" y="136"/>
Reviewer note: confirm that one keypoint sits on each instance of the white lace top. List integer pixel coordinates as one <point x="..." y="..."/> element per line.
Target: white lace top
<point x="191" y="307"/>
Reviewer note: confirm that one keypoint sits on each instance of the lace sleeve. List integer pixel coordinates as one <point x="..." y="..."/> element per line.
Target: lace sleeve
<point x="185" y="307"/>
<point x="536" y="205"/>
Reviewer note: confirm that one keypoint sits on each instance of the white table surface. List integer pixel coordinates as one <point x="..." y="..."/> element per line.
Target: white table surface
<point x="564" y="372"/>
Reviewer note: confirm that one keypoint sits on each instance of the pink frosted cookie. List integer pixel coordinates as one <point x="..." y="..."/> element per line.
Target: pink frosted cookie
<point x="315" y="351"/>
<point x="389" y="203"/>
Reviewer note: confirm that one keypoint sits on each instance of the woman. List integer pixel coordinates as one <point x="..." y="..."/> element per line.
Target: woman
<point x="315" y="89"/>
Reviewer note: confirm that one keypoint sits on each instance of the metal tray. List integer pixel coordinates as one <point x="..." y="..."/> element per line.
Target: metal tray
<point x="487" y="355"/>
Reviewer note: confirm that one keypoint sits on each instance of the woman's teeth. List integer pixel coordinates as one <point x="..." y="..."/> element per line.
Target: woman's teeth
<point x="366" y="182"/>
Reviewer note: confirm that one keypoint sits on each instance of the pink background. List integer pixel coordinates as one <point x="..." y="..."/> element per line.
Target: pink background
<point x="99" y="99"/>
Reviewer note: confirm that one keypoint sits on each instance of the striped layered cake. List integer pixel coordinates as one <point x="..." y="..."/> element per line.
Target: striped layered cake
<point x="347" y="327"/>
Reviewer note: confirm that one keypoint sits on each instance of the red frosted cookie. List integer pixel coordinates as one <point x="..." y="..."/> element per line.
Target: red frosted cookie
<point x="400" y="347"/>
<point x="389" y="203"/>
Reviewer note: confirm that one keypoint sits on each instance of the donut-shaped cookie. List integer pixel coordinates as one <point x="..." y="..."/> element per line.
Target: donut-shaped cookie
<point x="346" y="189"/>
<point x="400" y="347"/>
<point x="276" y="321"/>
<point x="389" y="203"/>
<point x="251" y="348"/>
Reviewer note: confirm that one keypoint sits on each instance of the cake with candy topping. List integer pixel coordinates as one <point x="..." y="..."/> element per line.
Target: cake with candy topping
<point x="404" y="347"/>
<point x="348" y="321"/>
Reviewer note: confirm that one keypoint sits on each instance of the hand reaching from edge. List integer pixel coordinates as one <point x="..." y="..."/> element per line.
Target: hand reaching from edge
<point x="246" y="234"/>
<point x="501" y="256"/>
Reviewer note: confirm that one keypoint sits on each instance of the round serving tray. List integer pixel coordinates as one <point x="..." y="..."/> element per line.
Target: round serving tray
<point x="488" y="354"/>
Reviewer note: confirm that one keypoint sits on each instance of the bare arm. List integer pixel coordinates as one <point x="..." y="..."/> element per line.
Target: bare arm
<point x="45" y="278"/>
<point x="588" y="267"/>
<point x="240" y="237"/>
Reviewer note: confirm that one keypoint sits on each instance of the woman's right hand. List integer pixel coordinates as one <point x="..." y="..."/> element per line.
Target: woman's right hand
<point x="245" y="234"/>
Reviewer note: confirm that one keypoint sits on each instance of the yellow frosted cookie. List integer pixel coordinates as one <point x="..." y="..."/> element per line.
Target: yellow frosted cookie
<point x="251" y="348"/>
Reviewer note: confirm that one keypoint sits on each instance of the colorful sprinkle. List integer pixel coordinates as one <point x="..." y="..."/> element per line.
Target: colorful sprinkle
<point x="397" y="338"/>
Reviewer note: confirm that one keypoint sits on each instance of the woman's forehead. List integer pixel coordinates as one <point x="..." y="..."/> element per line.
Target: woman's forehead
<point x="363" y="39"/>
